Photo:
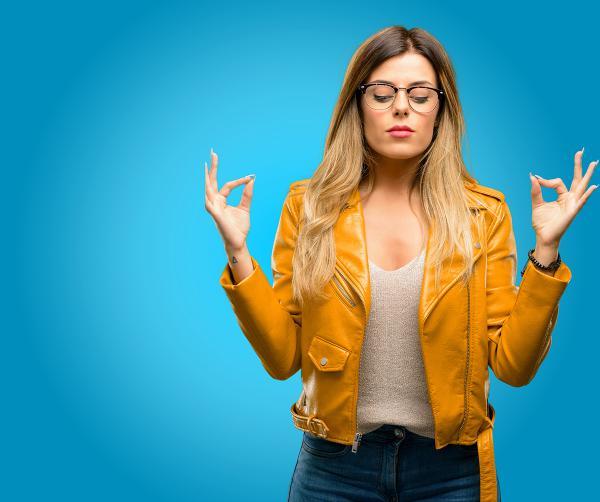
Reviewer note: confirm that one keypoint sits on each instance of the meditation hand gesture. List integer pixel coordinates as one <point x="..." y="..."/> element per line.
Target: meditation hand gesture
<point x="233" y="222"/>
<point x="551" y="219"/>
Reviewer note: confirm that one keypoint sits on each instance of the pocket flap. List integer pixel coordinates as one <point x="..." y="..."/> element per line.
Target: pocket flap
<point x="326" y="355"/>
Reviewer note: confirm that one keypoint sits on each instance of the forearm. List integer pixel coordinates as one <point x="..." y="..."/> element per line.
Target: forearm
<point x="273" y="332"/>
<point x="267" y="313"/>
<point x="515" y="348"/>
<point x="520" y="318"/>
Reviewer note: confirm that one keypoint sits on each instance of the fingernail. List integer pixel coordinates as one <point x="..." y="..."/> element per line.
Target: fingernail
<point x="582" y="149"/>
<point x="538" y="177"/>
<point x="530" y="175"/>
<point x="211" y="151"/>
<point x="252" y="176"/>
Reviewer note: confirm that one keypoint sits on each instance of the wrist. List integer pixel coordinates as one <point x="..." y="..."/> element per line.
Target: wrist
<point x="236" y="250"/>
<point x="546" y="253"/>
<point x="240" y="263"/>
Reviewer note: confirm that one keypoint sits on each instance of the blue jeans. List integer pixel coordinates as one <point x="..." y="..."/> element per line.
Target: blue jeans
<point x="391" y="464"/>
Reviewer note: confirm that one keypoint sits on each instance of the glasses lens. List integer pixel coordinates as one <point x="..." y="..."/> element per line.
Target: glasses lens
<point x="379" y="97"/>
<point x="421" y="99"/>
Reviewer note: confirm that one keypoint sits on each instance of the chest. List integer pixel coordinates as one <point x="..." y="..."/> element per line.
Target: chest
<point x="394" y="237"/>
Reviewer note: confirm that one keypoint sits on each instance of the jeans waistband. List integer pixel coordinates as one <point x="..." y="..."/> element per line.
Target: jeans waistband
<point x="392" y="432"/>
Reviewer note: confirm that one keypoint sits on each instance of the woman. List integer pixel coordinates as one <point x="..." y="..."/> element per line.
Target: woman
<point x="394" y="287"/>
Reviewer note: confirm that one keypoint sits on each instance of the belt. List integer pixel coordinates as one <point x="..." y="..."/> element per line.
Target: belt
<point x="310" y="423"/>
<point x="488" y="488"/>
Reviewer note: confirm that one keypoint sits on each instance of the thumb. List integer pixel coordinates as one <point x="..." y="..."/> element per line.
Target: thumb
<point x="536" y="191"/>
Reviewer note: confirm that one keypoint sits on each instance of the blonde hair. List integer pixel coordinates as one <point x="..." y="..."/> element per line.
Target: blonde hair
<point x="347" y="160"/>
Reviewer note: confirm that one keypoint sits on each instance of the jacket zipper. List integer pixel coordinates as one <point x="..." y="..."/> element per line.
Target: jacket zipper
<point x="357" y="435"/>
<point x="466" y="399"/>
<point x="352" y="303"/>
<point x="342" y="290"/>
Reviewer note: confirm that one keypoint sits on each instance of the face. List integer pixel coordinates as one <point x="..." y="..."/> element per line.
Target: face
<point x="402" y="70"/>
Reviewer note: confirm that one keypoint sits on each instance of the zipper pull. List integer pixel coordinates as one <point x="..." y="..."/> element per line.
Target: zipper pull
<point x="357" y="438"/>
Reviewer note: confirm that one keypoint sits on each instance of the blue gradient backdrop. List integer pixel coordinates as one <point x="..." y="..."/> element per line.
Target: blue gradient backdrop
<point x="125" y="374"/>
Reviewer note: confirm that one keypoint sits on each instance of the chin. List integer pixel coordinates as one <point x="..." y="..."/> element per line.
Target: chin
<point x="402" y="153"/>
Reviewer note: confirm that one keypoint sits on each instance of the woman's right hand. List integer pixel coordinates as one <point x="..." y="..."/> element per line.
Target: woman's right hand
<point x="233" y="222"/>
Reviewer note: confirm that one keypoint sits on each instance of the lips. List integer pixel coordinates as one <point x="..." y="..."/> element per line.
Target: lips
<point x="400" y="128"/>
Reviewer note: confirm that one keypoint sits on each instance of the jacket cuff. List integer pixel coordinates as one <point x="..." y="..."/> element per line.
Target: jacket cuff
<point x="252" y="289"/>
<point x="227" y="280"/>
<point x="543" y="286"/>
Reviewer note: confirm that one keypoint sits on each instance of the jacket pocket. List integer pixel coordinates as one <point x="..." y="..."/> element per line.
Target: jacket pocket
<point x="326" y="355"/>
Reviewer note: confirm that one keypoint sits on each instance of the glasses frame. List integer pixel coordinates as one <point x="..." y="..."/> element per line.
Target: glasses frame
<point x="363" y="90"/>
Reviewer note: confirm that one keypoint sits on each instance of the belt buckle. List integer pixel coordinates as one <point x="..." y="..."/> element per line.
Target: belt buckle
<point x="316" y="426"/>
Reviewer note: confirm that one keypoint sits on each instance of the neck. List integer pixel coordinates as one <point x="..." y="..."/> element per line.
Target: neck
<point x="394" y="178"/>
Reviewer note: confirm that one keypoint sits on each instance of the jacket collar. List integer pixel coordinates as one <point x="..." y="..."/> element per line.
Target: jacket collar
<point x="352" y="258"/>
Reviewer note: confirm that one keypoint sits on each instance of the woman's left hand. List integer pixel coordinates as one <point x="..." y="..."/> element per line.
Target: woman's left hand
<point x="551" y="219"/>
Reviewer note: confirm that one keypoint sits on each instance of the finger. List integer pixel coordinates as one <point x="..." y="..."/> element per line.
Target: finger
<point x="214" y="161"/>
<point x="585" y="196"/>
<point x="247" y="196"/>
<point x="555" y="183"/>
<point x="536" y="191"/>
<point x="586" y="179"/>
<point x="577" y="168"/>
<point x="208" y="189"/>
<point x="209" y="193"/>
<point x="230" y="185"/>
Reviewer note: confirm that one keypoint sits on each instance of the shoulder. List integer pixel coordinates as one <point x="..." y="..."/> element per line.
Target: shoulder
<point x="480" y="195"/>
<point x="487" y="192"/>
<point x="296" y="191"/>
<point x="299" y="186"/>
<point x="486" y="197"/>
<point x="293" y="200"/>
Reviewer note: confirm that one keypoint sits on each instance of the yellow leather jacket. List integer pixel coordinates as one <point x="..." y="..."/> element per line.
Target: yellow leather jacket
<point x="492" y="322"/>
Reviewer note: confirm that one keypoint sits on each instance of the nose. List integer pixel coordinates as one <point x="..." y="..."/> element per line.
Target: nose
<point x="400" y="103"/>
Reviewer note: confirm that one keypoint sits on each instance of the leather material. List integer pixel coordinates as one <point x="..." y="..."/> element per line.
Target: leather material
<point x="492" y="323"/>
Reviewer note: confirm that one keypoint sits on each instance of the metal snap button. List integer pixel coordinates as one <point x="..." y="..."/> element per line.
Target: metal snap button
<point x="477" y="245"/>
<point x="323" y="361"/>
<point x="399" y="433"/>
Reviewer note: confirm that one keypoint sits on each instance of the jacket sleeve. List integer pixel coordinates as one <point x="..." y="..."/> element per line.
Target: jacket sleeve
<point x="520" y="318"/>
<point x="268" y="317"/>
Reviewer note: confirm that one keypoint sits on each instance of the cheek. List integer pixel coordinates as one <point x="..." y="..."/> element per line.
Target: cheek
<point x="374" y="123"/>
<point x="426" y="124"/>
<point x="424" y="129"/>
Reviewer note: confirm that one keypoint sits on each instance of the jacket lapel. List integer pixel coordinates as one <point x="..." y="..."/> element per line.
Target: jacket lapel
<point x="352" y="257"/>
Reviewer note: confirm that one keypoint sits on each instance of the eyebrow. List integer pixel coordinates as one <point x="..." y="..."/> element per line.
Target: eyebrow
<point x="411" y="84"/>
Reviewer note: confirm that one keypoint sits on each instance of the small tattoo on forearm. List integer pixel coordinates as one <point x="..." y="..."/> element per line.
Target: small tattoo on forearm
<point x="233" y="259"/>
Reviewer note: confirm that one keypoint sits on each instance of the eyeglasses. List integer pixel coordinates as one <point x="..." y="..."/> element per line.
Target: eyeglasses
<point x="420" y="99"/>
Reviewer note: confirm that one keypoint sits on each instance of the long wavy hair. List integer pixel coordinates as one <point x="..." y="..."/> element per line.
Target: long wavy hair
<point x="348" y="159"/>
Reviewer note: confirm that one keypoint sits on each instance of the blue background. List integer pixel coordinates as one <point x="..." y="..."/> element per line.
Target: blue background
<point x="125" y="374"/>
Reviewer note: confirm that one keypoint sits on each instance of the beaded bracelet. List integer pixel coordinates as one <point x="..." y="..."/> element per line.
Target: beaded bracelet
<point x="550" y="267"/>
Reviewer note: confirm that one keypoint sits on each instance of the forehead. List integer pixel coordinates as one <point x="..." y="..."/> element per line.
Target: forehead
<point x="405" y="69"/>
